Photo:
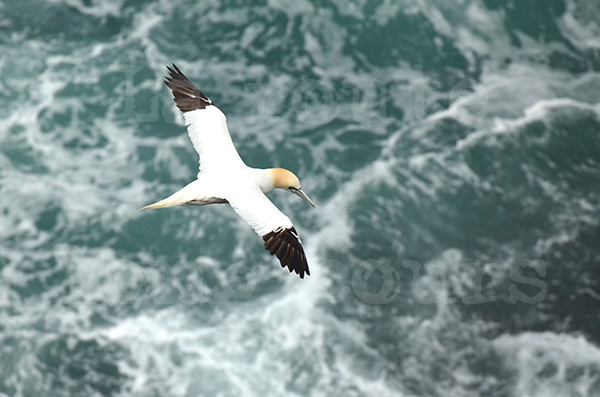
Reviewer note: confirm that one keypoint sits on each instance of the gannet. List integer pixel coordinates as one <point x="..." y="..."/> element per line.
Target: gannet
<point x="225" y="178"/>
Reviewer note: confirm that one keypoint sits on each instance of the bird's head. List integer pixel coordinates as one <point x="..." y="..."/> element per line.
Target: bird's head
<point x="284" y="179"/>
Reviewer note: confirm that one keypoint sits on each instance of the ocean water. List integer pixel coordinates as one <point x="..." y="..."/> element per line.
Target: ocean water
<point x="452" y="148"/>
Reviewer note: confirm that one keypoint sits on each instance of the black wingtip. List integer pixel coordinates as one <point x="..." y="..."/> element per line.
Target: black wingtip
<point x="177" y="69"/>
<point x="186" y="95"/>
<point x="289" y="250"/>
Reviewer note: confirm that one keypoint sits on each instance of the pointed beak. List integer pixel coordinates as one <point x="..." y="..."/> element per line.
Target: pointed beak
<point x="300" y="193"/>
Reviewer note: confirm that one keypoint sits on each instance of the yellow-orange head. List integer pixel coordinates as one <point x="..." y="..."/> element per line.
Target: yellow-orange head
<point x="284" y="179"/>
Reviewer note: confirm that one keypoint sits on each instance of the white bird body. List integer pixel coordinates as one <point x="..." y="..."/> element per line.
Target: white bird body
<point x="225" y="178"/>
<point x="243" y="188"/>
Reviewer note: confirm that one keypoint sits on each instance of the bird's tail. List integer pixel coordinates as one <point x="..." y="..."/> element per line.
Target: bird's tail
<point x="181" y="197"/>
<point x="159" y="204"/>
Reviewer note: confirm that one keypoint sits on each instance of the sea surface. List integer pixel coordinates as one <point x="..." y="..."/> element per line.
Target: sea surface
<point x="452" y="148"/>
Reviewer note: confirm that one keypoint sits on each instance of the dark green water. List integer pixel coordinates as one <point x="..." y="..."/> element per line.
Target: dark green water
<point x="452" y="149"/>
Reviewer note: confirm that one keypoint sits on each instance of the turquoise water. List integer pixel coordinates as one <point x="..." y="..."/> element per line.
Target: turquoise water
<point x="452" y="149"/>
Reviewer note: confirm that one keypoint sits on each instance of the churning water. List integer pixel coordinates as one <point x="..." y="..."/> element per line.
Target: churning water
<point x="452" y="148"/>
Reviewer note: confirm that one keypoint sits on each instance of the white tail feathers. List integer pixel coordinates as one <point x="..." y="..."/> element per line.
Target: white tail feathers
<point x="180" y="197"/>
<point x="159" y="204"/>
<point x="166" y="203"/>
<point x="192" y="194"/>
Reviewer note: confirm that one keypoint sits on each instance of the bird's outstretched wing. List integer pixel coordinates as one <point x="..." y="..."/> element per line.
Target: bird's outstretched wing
<point x="206" y="124"/>
<point x="278" y="232"/>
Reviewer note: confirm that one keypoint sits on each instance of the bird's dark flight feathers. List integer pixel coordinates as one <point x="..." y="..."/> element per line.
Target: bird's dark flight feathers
<point x="186" y="95"/>
<point x="286" y="244"/>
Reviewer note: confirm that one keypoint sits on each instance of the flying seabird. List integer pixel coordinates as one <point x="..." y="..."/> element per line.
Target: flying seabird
<point x="225" y="178"/>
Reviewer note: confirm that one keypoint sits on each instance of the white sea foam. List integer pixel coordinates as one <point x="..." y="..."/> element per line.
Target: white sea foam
<point x="551" y="364"/>
<point x="580" y="24"/>
<point x="97" y="8"/>
<point x="284" y="340"/>
<point x="539" y="111"/>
